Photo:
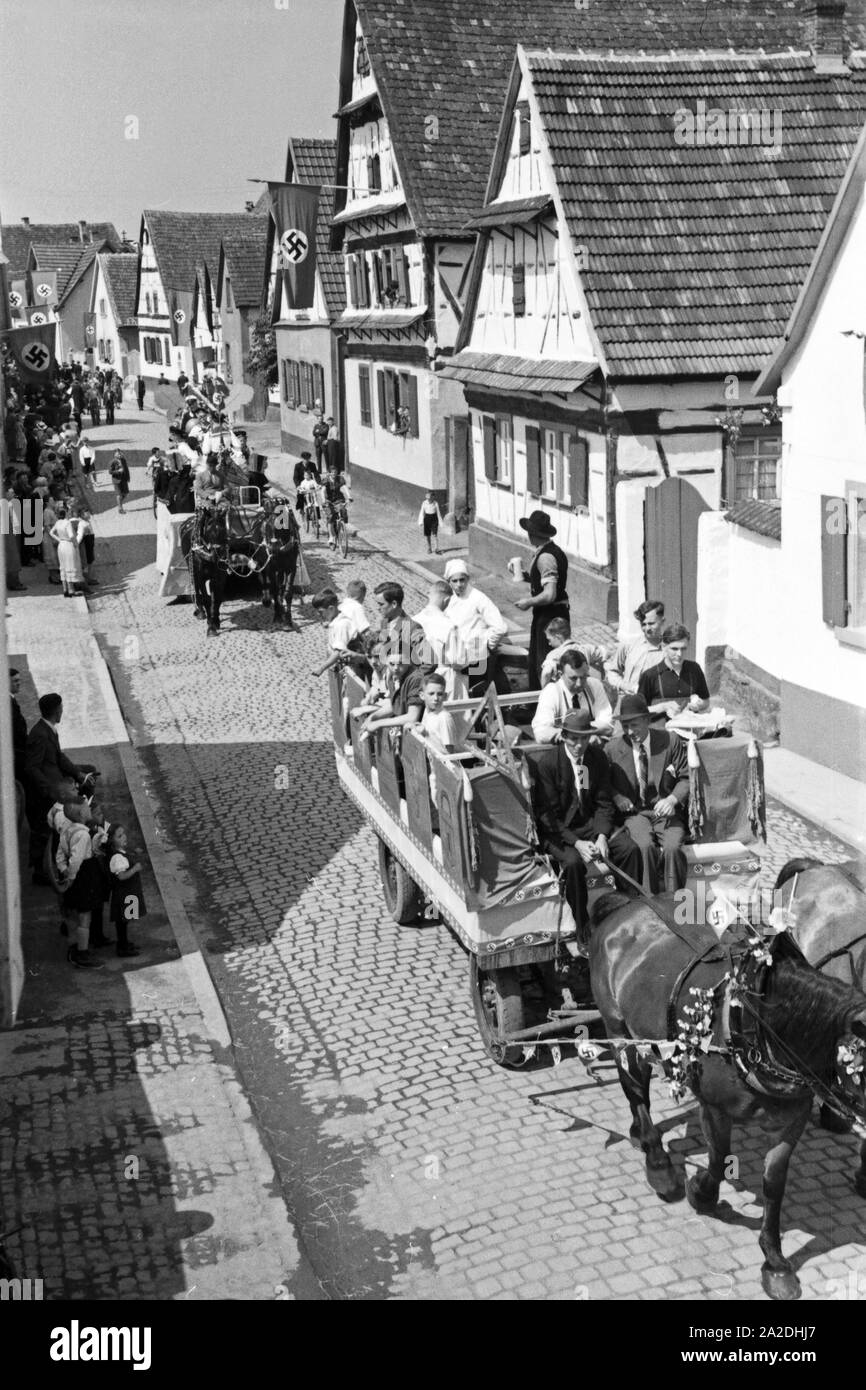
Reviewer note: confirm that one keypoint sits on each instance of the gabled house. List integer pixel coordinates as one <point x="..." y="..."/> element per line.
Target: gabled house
<point x="309" y="352"/>
<point x="631" y="280"/>
<point x="204" y="323"/>
<point x="18" y="237"/>
<point x="75" y="267"/>
<point x="239" y="280"/>
<point x="113" y="303"/>
<point x="783" y="586"/>
<point x="171" y="247"/>
<point x="421" y="88"/>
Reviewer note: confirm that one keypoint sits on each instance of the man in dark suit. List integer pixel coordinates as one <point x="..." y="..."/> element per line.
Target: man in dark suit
<point x="19" y="726"/>
<point x="46" y="767"/>
<point x="649" y="776"/>
<point x="575" y="812"/>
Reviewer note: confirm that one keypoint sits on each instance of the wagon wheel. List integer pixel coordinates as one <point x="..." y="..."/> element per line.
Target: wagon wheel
<point x="498" y="1004"/>
<point x="402" y="896"/>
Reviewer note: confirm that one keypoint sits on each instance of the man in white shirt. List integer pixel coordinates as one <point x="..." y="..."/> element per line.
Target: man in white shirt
<point x="352" y="608"/>
<point x="640" y="654"/>
<point x="443" y="640"/>
<point x="480" y="626"/>
<point x="575" y="689"/>
<point x="342" y="635"/>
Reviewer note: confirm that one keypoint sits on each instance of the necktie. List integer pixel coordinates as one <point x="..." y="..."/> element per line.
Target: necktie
<point x="643" y="772"/>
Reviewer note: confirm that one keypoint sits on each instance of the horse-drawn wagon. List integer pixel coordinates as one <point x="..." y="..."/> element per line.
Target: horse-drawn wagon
<point x="474" y="859"/>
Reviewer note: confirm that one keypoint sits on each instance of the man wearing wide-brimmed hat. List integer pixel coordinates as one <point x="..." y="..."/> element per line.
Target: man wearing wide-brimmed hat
<point x="548" y="581"/>
<point x="575" y="812"/>
<point x="649" y="775"/>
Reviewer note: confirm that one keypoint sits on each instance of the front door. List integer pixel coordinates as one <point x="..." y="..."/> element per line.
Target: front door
<point x="671" y="514"/>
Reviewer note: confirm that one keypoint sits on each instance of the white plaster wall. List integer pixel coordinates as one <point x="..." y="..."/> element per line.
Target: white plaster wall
<point x="714" y="535"/>
<point x="554" y="325"/>
<point x="824" y="434"/>
<point x="579" y="534"/>
<point x="421" y="461"/>
<point x="524" y="174"/>
<point x="631" y="561"/>
<point x="757" y="627"/>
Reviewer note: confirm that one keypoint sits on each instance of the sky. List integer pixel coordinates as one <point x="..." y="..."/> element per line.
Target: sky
<point x="216" y="88"/>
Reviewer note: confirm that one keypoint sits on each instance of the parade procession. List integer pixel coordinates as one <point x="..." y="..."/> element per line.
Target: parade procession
<point x="433" y="779"/>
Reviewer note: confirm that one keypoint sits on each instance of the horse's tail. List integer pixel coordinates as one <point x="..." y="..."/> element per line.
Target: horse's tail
<point x="796" y="866"/>
<point x="607" y="904"/>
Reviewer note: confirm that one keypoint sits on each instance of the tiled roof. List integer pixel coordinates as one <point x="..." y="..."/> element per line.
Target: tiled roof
<point x="694" y="254"/>
<point x="70" y="262"/>
<point x="182" y="240"/>
<point x="505" y="373"/>
<point x="17" y="239"/>
<point x="511" y="212"/>
<point x="244" y="249"/>
<point x="451" y="60"/>
<point x="763" y="517"/>
<point x="314" y="162"/>
<point x="119" y="274"/>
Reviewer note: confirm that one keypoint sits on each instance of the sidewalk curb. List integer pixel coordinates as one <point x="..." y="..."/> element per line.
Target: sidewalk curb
<point x="838" y="827"/>
<point x="263" y="1174"/>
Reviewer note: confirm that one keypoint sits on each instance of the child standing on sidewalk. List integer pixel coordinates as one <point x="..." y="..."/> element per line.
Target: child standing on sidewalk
<point x="430" y="519"/>
<point x="127" y="899"/>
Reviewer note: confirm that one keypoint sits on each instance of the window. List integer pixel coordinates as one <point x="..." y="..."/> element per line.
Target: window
<point x="843" y="558"/>
<point x="524" y="129"/>
<point x="228" y="295"/>
<point x="391" y="271"/>
<point x="359" y="282"/>
<point x="296" y="383"/>
<point x="398" y="402"/>
<point x="147" y="301"/>
<point x="228" y="370"/>
<point x="362" y="59"/>
<point x="109" y="350"/>
<point x="498" y="448"/>
<point x="557" y="466"/>
<point x="318" y="386"/>
<point x="366" y="395"/>
<point x="102" y="309"/>
<point x="374" y="173"/>
<point x="754" y="467"/>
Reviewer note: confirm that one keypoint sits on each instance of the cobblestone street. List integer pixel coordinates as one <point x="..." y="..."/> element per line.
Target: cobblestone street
<point x="412" y="1166"/>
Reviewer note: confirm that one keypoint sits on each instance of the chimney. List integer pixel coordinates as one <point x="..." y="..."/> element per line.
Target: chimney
<point x="25" y="221"/>
<point x="82" y="229"/>
<point x="825" y="34"/>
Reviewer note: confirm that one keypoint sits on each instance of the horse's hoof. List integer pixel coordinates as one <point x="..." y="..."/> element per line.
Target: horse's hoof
<point x="698" y="1199"/>
<point x="212" y="632"/>
<point x="634" y="1138"/>
<point x="780" y="1284"/>
<point x="197" y="613"/>
<point x="836" y="1124"/>
<point x="666" y="1182"/>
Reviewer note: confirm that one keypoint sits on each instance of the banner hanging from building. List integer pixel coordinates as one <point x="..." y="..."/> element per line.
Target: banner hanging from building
<point x="43" y="287"/>
<point x="89" y="332"/>
<point x="180" y="315"/>
<point x="295" y="208"/>
<point x="32" y="351"/>
<point x="38" y="316"/>
<point x="18" y="297"/>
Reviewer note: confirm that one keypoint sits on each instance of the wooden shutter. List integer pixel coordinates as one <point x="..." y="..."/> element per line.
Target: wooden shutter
<point x="489" y="448"/>
<point x="402" y="274"/>
<point x="364" y="387"/>
<point x="412" y="391"/>
<point x="390" y="398"/>
<point x="834" y="560"/>
<point x="533" y="460"/>
<point x="383" y="408"/>
<point x="518" y="280"/>
<point x="319" y="384"/>
<point x="363" y="282"/>
<point x="525" y="133"/>
<point x="296" y="383"/>
<point x="578" y="471"/>
<point x="352" y="269"/>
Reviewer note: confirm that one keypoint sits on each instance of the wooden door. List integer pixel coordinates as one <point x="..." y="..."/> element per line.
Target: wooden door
<point x="671" y="514"/>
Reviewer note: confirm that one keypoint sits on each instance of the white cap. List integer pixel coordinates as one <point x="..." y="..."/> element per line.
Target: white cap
<point x="456" y="567"/>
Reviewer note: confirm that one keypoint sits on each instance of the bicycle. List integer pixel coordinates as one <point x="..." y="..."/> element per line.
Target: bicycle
<point x="342" y="536"/>
<point x="312" y="517"/>
<point x="338" y="528"/>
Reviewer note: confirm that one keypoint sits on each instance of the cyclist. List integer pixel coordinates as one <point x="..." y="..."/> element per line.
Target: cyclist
<point x="308" y="492"/>
<point x="336" y="496"/>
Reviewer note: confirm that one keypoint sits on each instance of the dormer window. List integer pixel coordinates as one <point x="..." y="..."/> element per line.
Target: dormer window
<point x="362" y="59"/>
<point x="374" y="173"/>
<point x="524" y="129"/>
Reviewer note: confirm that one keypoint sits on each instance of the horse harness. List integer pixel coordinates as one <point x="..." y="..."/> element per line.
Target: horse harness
<point x="847" y="871"/>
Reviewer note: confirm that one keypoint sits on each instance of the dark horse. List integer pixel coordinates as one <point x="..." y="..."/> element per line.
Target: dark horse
<point x="784" y="1042"/>
<point x="278" y="542"/>
<point x="826" y="911"/>
<point x="205" y="543"/>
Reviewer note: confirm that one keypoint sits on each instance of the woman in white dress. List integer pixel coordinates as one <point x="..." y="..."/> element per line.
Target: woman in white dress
<point x="66" y="532"/>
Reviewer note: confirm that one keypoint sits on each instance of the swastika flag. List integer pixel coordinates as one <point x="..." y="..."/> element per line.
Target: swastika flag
<point x="18" y="298"/>
<point x="295" y="209"/>
<point x="32" y="351"/>
<point x="43" y="287"/>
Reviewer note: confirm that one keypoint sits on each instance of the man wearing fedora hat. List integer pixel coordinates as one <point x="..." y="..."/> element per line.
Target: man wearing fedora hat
<point x="548" y="580"/>
<point x="575" y="811"/>
<point x="649" y="775"/>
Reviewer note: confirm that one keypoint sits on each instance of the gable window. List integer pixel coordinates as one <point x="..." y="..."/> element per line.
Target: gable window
<point x="109" y="350"/>
<point x="365" y="394"/>
<point x="753" y="466"/>
<point x="228" y="295"/>
<point x="147" y="302"/>
<point x="102" y="309"/>
<point x="374" y="173"/>
<point x="498" y="431"/>
<point x="362" y="59"/>
<point x="518" y="283"/>
<point x="524" y="129"/>
<point x="398" y="402"/>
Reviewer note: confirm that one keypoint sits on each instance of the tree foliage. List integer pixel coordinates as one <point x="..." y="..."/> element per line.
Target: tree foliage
<point x="263" y="350"/>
